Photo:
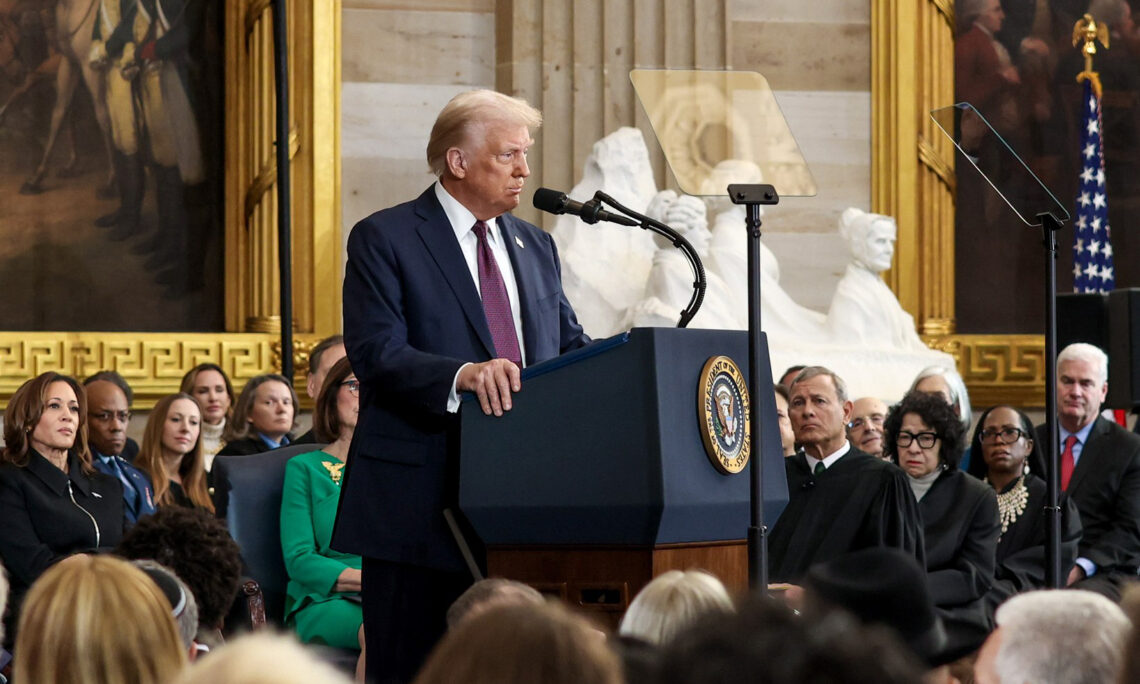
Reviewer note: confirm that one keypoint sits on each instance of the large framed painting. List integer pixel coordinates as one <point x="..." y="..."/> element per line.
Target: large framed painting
<point x="138" y="217"/>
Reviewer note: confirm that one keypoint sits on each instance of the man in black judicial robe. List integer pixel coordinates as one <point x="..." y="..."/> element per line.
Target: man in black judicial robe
<point x="841" y="499"/>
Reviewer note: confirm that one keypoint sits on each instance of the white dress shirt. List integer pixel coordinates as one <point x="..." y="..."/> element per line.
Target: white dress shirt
<point x="462" y="222"/>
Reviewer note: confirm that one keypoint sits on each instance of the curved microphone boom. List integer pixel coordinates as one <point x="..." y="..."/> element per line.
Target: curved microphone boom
<point x="555" y="202"/>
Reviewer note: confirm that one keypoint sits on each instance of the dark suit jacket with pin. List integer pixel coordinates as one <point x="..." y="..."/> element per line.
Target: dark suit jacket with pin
<point x="412" y="318"/>
<point x="1106" y="488"/>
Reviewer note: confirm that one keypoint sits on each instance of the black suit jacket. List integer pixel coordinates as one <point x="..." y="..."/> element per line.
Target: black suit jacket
<point x="40" y="523"/>
<point x="412" y="318"/>
<point x="1106" y="488"/>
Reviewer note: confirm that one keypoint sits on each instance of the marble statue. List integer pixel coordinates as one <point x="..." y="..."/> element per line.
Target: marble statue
<point x="619" y="277"/>
<point x="605" y="266"/>
<point x="864" y="310"/>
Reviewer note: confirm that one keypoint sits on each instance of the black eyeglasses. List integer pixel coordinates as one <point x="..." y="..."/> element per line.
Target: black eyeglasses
<point x="1009" y="435"/>
<point x="925" y="440"/>
<point x="108" y="416"/>
<point x="352" y="385"/>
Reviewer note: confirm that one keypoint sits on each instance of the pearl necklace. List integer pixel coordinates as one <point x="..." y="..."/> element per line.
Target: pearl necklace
<point x="1012" y="504"/>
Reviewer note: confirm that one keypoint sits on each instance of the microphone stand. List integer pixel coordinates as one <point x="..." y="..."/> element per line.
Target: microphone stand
<point x="679" y="241"/>
<point x="752" y="197"/>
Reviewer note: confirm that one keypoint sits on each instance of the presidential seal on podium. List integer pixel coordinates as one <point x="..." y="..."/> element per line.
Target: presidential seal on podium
<point x="723" y="409"/>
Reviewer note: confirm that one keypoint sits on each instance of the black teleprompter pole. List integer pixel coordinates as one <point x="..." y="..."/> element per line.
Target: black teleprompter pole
<point x="1053" y="578"/>
<point x="753" y="197"/>
<point x="284" y="203"/>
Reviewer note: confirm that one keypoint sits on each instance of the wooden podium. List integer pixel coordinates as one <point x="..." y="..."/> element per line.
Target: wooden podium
<point x="597" y="480"/>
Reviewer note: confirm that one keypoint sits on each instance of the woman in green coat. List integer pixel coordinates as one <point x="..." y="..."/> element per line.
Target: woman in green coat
<point x="323" y="596"/>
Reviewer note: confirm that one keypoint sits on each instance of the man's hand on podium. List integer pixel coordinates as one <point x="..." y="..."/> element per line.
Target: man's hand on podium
<point x="492" y="382"/>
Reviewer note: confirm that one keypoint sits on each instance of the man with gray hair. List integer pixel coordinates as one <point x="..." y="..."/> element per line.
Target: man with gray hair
<point x="1054" y="637"/>
<point x="1100" y="471"/>
<point x="841" y="499"/>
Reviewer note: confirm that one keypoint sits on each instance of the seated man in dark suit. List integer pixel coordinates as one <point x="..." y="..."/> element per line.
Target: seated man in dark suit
<point x="445" y="294"/>
<point x="840" y="499"/>
<point x="108" y="412"/>
<point x="1100" y="471"/>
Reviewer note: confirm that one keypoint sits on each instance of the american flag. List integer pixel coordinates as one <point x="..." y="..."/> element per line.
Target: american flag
<point x="1092" y="251"/>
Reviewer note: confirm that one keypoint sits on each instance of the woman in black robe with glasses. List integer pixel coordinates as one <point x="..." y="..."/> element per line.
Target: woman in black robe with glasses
<point x="1003" y="446"/>
<point x="959" y="514"/>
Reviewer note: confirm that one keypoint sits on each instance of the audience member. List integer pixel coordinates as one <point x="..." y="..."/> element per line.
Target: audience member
<point x="787" y="436"/>
<point x="1054" y="637"/>
<point x="321" y="360"/>
<point x="865" y="431"/>
<point x="946" y="383"/>
<point x="490" y="593"/>
<point x="261" y="658"/>
<point x="183" y="606"/>
<point x="323" y="597"/>
<point x="52" y="501"/>
<point x="171" y="453"/>
<point x="108" y="413"/>
<point x="115" y="429"/>
<point x="880" y="586"/>
<point x="95" y="620"/>
<point x="765" y="642"/>
<point x="197" y="547"/>
<point x="1130" y="670"/>
<point x="263" y="417"/>
<point x="672" y="601"/>
<point x="841" y="499"/>
<point x="210" y="385"/>
<point x="522" y="644"/>
<point x="959" y="514"/>
<point x="1100" y="471"/>
<point x="790" y="375"/>
<point x="1004" y="442"/>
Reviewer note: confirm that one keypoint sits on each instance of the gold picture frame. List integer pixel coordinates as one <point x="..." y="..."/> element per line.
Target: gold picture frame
<point x="912" y="179"/>
<point x="154" y="363"/>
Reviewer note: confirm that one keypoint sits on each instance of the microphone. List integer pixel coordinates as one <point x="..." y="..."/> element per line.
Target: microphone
<point x="590" y="212"/>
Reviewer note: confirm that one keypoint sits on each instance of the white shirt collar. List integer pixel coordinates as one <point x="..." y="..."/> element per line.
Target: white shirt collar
<point x="831" y="458"/>
<point x="460" y="217"/>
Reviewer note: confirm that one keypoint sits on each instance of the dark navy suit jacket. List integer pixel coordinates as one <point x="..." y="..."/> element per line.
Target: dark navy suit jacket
<point x="412" y="317"/>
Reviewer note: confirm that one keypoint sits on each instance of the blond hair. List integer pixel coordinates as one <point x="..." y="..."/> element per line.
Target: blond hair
<point x="260" y="658"/>
<point x="671" y="602"/>
<point x="453" y="127"/>
<point x="96" y="619"/>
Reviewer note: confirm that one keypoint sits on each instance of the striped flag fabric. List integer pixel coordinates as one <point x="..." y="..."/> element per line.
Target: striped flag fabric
<point x="1092" y="248"/>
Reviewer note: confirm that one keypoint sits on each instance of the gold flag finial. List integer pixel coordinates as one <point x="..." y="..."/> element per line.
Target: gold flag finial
<point x="1085" y="33"/>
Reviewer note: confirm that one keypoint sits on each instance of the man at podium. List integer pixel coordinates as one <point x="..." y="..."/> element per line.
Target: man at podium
<point x="841" y="499"/>
<point x="445" y="294"/>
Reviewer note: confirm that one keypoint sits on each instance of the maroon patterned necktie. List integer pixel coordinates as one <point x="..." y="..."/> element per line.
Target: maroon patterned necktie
<point x="496" y="304"/>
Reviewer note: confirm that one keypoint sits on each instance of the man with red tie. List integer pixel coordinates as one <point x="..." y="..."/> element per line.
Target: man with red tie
<point x="445" y="294"/>
<point x="1100" y="470"/>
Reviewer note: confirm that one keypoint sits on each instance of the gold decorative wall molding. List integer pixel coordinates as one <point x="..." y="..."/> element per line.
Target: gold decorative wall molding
<point x="252" y="283"/>
<point x="998" y="369"/>
<point x="154" y="362"/>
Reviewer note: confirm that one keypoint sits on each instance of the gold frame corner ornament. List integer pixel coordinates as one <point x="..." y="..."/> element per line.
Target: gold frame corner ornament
<point x="154" y="363"/>
<point x="727" y="446"/>
<point x="912" y="177"/>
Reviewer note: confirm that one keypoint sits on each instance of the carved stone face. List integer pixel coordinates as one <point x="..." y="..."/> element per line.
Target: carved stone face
<point x="877" y="246"/>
